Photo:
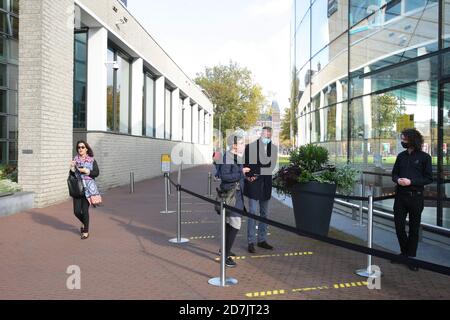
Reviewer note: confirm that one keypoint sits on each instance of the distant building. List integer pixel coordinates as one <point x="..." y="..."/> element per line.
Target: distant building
<point x="272" y="120"/>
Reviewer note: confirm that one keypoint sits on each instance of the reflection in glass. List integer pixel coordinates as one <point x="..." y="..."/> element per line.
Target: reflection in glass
<point x="168" y="114"/>
<point x="387" y="41"/>
<point x="122" y="93"/>
<point x="303" y="42"/>
<point x="3" y="101"/>
<point x="110" y="92"/>
<point x="149" y="106"/>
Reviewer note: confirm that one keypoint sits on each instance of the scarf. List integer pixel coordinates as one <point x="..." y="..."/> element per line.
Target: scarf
<point x="91" y="191"/>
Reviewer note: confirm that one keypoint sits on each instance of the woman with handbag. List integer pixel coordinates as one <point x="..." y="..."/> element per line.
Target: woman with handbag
<point x="85" y="166"/>
<point x="232" y="173"/>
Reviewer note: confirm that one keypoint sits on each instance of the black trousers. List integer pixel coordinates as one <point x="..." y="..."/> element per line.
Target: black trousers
<point x="405" y="205"/>
<point x="230" y="236"/>
<point x="81" y="211"/>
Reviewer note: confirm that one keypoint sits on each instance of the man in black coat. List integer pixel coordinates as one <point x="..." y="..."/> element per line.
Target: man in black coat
<point x="411" y="172"/>
<point x="261" y="157"/>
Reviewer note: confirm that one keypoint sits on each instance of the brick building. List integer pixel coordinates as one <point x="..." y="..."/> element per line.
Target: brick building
<point x="89" y="70"/>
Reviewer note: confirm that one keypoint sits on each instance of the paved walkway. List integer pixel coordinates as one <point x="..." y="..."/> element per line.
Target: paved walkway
<point x="128" y="255"/>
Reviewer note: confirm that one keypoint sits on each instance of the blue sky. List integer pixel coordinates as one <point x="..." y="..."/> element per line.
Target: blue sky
<point x="200" y="33"/>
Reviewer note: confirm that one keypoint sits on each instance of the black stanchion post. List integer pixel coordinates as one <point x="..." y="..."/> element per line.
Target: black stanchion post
<point x="222" y="281"/>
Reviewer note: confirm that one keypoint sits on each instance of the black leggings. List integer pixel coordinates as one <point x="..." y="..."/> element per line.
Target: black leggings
<point x="81" y="211"/>
<point x="230" y="236"/>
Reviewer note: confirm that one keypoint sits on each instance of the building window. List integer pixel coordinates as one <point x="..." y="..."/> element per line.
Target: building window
<point x="168" y="114"/>
<point x="118" y="92"/>
<point x="9" y="34"/>
<point x="80" y="80"/>
<point x="148" y="113"/>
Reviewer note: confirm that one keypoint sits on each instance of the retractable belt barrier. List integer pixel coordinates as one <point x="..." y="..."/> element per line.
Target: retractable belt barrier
<point x="336" y="242"/>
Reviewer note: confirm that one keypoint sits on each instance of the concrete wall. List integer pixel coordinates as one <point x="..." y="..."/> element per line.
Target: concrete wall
<point x="45" y="98"/>
<point x="118" y="155"/>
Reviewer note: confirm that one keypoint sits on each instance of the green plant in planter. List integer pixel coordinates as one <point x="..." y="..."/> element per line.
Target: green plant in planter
<point x="309" y="163"/>
<point x="8" y="179"/>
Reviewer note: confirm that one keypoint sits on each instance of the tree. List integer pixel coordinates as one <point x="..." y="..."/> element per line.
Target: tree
<point x="286" y="125"/>
<point x="386" y="109"/>
<point x="295" y="100"/>
<point x="237" y="99"/>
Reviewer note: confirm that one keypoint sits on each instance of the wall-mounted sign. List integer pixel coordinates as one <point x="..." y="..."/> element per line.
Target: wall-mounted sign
<point x="332" y="7"/>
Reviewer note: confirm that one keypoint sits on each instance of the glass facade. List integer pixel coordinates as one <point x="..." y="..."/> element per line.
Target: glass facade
<point x="9" y="56"/>
<point x="366" y="69"/>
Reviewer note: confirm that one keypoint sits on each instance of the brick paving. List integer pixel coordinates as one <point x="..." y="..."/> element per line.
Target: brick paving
<point x="128" y="255"/>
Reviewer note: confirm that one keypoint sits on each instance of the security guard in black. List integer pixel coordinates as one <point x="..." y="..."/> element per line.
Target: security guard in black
<point x="411" y="172"/>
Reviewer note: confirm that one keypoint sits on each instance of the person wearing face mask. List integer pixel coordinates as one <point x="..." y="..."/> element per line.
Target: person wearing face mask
<point x="232" y="173"/>
<point x="411" y="172"/>
<point x="261" y="157"/>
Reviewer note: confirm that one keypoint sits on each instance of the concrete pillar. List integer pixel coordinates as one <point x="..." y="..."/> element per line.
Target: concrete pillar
<point x="201" y="127"/>
<point x="159" y="106"/>
<point x="137" y="83"/>
<point x="97" y="79"/>
<point x="46" y="98"/>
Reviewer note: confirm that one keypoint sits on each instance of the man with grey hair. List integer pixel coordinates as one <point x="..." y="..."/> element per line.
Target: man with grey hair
<point x="261" y="157"/>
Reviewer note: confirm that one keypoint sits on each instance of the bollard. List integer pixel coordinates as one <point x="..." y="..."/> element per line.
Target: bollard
<point x="222" y="281"/>
<point x="166" y="190"/>
<point x="179" y="239"/>
<point x="368" y="273"/>
<point x="131" y="182"/>
<point x="208" y="192"/>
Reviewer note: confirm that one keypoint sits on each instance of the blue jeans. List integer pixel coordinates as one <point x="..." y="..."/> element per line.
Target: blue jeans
<point x="262" y="227"/>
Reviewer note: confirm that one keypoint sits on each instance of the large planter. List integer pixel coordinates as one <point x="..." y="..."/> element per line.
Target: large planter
<point x="12" y="203"/>
<point x="313" y="212"/>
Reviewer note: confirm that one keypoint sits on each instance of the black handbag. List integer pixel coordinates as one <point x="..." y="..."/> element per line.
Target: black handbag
<point x="75" y="184"/>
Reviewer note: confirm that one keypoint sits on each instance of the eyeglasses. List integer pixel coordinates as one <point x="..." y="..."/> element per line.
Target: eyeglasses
<point x="81" y="147"/>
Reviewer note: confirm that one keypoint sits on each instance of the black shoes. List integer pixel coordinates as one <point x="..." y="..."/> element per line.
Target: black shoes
<point x="230" y="263"/>
<point x="232" y="254"/>
<point x="265" y="245"/>
<point x="396" y="262"/>
<point x="413" y="268"/>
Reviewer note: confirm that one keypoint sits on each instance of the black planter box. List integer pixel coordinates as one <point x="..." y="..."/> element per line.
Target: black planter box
<point x="313" y="212"/>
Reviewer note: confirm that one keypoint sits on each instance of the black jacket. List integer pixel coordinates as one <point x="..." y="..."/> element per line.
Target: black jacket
<point x="261" y="188"/>
<point x="416" y="167"/>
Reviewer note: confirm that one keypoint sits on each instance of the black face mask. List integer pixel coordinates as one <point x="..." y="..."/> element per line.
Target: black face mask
<point x="405" y="145"/>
